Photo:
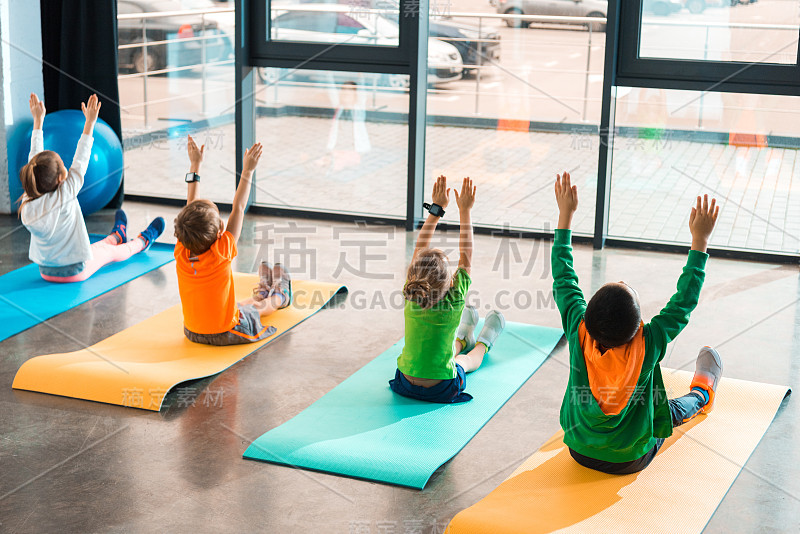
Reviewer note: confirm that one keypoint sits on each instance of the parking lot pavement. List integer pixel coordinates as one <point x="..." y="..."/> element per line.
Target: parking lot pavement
<point x="654" y="179"/>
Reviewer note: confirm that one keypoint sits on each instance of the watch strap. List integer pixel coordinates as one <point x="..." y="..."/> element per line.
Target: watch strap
<point x="434" y="209"/>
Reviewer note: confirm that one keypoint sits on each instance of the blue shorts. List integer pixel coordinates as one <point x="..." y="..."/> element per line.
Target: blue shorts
<point x="445" y="392"/>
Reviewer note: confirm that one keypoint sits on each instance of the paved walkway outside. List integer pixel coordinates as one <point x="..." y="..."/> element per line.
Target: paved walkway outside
<point x="321" y="164"/>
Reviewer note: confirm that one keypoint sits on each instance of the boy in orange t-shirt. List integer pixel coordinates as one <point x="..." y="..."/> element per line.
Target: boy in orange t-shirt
<point x="206" y="247"/>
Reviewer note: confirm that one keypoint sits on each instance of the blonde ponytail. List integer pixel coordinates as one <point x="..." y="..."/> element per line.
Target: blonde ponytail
<point x="428" y="278"/>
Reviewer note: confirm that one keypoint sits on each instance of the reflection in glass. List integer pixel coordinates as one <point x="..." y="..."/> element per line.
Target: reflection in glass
<point x="762" y="31"/>
<point x="355" y="23"/>
<point x="336" y="142"/>
<point x="674" y="145"/>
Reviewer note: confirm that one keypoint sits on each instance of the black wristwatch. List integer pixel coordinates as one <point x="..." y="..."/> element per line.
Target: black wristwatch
<point x="434" y="209"/>
<point x="192" y="177"/>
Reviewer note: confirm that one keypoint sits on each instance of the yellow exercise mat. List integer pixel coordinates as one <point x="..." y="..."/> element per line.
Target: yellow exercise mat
<point x="678" y="492"/>
<point x="138" y="366"/>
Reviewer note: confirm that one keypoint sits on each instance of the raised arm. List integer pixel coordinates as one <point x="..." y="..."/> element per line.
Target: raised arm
<point x="37" y="112"/>
<point x="441" y="196"/>
<point x="567" y="200"/>
<point x="567" y="292"/>
<point x="251" y="157"/>
<point x="666" y="326"/>
<point x="465" y="201"/>
<point x="91" y="110"/>
<point x="83" y="152"/>
<point x="195" y="160"/>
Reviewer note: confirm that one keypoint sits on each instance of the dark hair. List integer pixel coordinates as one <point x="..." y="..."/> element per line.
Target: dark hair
<point x="197" y="226"/>
<point x="428" y="278"/>
<point x="39" y="176"/>
<point x="613" y="316"/>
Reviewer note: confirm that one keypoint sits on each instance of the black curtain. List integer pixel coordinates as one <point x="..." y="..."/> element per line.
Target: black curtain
<point x="79" y="57"/>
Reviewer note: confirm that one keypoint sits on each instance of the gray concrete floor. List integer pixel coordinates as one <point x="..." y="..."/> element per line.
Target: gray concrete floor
<point x="74" y="466"/>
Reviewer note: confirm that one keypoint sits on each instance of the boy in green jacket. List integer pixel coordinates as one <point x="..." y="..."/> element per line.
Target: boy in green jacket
<point x="615" y="412"/>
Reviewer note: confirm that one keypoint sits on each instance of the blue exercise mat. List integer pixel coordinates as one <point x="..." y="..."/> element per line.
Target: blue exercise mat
<point x="27" y="300"/>
<point x="362" y="429"/>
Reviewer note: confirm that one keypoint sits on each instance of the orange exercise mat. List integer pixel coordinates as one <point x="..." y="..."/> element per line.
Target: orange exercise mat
<point x="550" y="492"/>
<point x="138" y="366"/>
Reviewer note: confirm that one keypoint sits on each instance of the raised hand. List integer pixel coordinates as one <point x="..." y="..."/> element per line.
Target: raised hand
<point x="91" y="109"/>
<point x="441" y="193"/>
<point x="566" y="198"/>
<point x="466" y="199"/>
<point x="37" y="111"/>
<point x="251" y="157"/>
<point x="702" y="221"/>
<point x="195" y="154"/>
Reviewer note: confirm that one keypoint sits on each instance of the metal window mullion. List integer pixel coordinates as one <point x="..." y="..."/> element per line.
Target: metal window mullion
<point x="244" y="92"/>
<point x="606" y="133"/>
<point x="417" y="110"/>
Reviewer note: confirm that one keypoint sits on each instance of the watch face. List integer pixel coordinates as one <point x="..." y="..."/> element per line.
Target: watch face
<point x="190" y="177"/>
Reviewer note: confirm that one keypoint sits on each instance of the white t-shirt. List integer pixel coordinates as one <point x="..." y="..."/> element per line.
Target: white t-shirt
<point x="55" y="220"/>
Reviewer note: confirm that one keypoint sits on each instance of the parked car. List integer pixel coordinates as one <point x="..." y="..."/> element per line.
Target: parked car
<point x="661" y="8"/>
<point x="181" y="50"/>
<point x="225" y="22"/>
<point x="698" y="6"/>
<point x="327" y="23"/>
<point x="462" y="35"/>
<point x="565" y="8"/>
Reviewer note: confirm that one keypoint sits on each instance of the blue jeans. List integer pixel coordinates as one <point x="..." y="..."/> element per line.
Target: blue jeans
<point x="445" y="392"/>
<point x="681" y="409"/>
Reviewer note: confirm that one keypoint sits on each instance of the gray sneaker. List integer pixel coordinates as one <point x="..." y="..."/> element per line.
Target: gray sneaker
<point x="283" y="283"/>
<point x="492" y="326"/>
<point x="707" y="374"/>
<point x="265" y="281"/>
<point x="466" y="329"/>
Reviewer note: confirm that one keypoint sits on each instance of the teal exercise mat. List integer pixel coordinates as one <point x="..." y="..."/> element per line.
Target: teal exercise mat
<point x="27" y="300"/>
<point x="364" y="430"/>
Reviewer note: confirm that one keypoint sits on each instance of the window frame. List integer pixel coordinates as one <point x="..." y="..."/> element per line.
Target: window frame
<point x="696" y="75"/>
<point x="265" y="52"/>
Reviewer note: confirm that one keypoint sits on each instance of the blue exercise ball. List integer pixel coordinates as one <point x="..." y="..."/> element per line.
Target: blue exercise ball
<point x="62" y="130"/>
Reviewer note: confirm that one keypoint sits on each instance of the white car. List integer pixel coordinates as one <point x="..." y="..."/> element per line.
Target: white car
<point x="332" y="23"/>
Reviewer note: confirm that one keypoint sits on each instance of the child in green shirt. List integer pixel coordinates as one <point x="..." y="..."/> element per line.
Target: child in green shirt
<point x="440" y="344"/>
<point x="615" y="413"/>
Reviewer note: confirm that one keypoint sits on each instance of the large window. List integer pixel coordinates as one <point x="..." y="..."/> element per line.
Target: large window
<point x="721" y="30"/>
<point x="735" y="48"/>
<point x="337" y="141"/>
<point x="524" y="106"/>
<point x="362" y="104"/>
<point x="742" y="149"/>
<point x="176" y="76"/>
<point x="364" y="32"/>
<point x="335" y="23"/>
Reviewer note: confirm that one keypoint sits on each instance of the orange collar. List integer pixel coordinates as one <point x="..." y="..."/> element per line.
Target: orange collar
<point x="613" y="374"/>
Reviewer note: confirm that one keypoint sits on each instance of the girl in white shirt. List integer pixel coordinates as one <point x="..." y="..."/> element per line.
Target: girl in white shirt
<point x="51" y="212"/>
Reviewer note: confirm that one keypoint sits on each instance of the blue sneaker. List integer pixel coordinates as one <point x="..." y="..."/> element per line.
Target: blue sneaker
<point x="283" y="282"/>
<point x="152" y="232"/>
<point x="120" y="227"/>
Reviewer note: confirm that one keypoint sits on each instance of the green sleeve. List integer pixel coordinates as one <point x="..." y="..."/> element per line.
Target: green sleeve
<point x="666" y="326"/>
<point x="568" y="295"/>
<point x="461" y="283"/>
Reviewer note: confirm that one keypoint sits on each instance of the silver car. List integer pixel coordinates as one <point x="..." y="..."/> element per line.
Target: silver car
<point x="564" y="8"/>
